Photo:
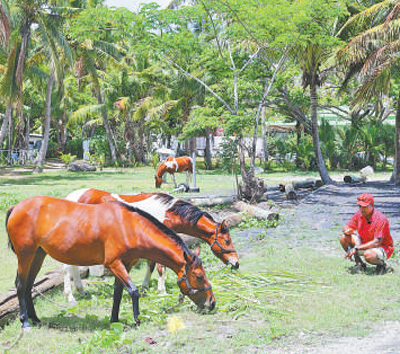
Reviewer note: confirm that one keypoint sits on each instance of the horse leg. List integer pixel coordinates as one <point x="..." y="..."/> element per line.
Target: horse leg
<point x="118" y="288"/>
<point x="72" y="271"/>
<point x="122" y="279"/>
<point x="149" y="272"/>
<point x="173" y="179"/>
<point x="161" y="279"/>
<point x="21" y="282"/>
<point x="33" y="271"/>
<point x="76" y="275"/>
<point x="67" y="284"/>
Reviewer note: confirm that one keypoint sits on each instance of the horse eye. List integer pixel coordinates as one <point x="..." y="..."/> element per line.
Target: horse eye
<point x="227" y="242"/>
<point x="200" y="277"/>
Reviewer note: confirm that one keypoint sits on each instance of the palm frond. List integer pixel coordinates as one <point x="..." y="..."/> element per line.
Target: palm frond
<point x="86" y="113"/>
<point x="367" y="18"/>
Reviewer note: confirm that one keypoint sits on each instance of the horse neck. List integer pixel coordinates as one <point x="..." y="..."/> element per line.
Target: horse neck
<point x="161" y="170"/>
<point x="171" y="255"/>
<point x="205" y="228"/>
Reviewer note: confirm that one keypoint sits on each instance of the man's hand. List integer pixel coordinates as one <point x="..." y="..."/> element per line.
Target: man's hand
<point x="347" y="231"/>
<point x="351" y="253"/>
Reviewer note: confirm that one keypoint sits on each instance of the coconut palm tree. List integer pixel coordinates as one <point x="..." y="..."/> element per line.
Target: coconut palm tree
<point x="310" y="57"/>
<point x="372" y="56"/>
<point x="21" y="18"/>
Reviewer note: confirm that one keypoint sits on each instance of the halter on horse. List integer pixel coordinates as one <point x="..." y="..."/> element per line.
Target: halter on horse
<point x="113" y="234"/>
<point x="176" y="214"/>
<point x="172" y="165"/>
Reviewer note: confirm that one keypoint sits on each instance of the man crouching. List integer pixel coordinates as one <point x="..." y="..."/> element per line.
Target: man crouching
<point x="373" y="241"/>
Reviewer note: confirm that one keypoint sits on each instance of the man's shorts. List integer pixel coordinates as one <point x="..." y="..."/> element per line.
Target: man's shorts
<point x="379" y="251"/>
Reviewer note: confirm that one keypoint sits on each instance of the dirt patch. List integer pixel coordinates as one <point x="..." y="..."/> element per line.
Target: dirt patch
<point x="306" y="224"/>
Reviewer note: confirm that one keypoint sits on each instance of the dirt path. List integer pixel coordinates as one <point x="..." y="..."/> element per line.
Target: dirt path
<point x="329" y="208"/>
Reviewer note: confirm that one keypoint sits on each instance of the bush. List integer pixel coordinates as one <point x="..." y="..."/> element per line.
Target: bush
<point x="229" y="155"/>
<point x="53" y="150"/>
<point x="74" y="147"/>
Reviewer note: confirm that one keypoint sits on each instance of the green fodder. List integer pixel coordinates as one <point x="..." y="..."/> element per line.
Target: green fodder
<point x="238" y="292"/>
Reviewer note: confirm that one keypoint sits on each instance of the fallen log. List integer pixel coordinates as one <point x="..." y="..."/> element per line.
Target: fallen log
<point x="255" y="211"/>
<point x="9" y="305"/>
<point x="210" y="201"/>
<point x="352" y="179"/>
<point x="362" y="178"/>
<point x="289" y="191"/>
<point x="307" y="183"/>
<point x="233" y="220"/>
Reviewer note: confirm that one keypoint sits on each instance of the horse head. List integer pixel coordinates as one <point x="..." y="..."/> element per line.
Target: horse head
<point x="158" y="181"/>
<point x="222" y="246"/>
<point x="194" y="282"/>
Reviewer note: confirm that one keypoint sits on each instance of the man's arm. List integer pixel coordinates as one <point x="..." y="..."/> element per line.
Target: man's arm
<point x="376" y="242"/>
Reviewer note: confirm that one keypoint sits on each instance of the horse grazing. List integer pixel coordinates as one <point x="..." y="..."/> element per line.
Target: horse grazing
<point x="174" y="213"/>
<point x="113" y="234"/>
<point x="172" y="165"/>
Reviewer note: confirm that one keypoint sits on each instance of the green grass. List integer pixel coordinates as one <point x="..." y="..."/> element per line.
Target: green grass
<point x="279" y="291"/>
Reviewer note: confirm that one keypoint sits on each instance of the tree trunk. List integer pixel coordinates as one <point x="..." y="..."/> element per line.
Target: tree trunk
<point x="315" y="136"/>
<point x="106" y="122"/>
<point x="39" y="162"/>
<point x="6" y="120"/>
<point x="396" y="166"/>
<point x="264" y="138"/>
<point x="10" y="138"/>
<point x="63" y="131"/>
<point x="207" y="152"/>
<point x="142" y="148"/>
<point x="20" y="142"/>
<point x="252" y="188"/>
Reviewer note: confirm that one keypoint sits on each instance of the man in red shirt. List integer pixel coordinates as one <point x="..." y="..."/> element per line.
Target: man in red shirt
<point x="373" y="241"/>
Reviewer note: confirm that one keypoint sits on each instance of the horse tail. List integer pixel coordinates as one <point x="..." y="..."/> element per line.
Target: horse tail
<point x="9" y="211"/>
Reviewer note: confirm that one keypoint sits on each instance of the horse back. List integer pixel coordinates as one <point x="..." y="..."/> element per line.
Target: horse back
<point x="72" y="233"/>
<point x="185" y="163"/>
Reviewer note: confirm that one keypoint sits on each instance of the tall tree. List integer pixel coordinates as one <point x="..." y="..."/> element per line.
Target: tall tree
<point x="371" y="55"/>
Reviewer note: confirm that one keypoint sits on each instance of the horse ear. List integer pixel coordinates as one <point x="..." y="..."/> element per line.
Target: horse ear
<point x="197" y="251"/>
<point x="223" y="227"/>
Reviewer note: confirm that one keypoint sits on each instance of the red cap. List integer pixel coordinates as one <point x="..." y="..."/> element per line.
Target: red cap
<point x="365" y="199"/>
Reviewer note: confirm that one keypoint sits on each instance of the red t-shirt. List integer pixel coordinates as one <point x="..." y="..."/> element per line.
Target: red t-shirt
<point x="378" y="228"/>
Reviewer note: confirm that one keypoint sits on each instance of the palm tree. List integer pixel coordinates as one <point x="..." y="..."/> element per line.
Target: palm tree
<point x="371" y="54"/>
<point x="311" y="56"/>
<point x="45" y="15"/>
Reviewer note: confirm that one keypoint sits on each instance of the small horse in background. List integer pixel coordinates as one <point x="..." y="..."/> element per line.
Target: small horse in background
<point x="172" y="165"/>
<point x="174" y="213"/>
<point x="113" y="234"/>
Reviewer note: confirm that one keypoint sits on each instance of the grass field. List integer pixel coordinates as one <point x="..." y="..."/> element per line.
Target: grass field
<point x="280" y="294"/>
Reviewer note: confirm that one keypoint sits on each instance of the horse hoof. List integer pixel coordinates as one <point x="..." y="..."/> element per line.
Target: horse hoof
<point x="137" y="322"/>
<point x="36" y="321"/>
<point x="26" y="328"/>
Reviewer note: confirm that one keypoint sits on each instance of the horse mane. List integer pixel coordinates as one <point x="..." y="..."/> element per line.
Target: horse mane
<point x="188" y="212"/>
<point x="164" y="198"/>
<point x="9" y="211"/>
<point x="166" y="230"/>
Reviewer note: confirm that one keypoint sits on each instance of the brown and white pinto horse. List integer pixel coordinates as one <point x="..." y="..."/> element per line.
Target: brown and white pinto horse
<point x="113" y="234"/>
<point x="172" y="165"/>
<point x="176" y="214"/>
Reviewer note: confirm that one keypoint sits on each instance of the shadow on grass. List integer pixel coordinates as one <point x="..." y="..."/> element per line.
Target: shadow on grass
<point x="46" y="179"/>
<point x="74" y="323"/>
<point x="370" y="271"/>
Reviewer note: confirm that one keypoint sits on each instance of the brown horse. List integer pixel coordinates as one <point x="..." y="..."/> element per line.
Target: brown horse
<point x="174" y="213"/>
<point x="113" y="234"/>
<point x="172" y="165"/>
